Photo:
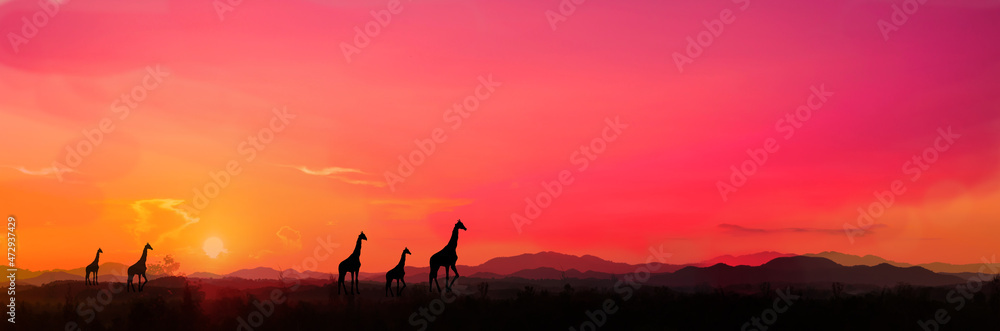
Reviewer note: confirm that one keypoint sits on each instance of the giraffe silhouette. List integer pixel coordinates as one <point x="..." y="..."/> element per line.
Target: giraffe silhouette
<point x="396" y="273"/>
<point x="92" y="268"/>
<point x="352" y="265"/>
<point x="446" y="258"/>
<point x="139" y="270"/>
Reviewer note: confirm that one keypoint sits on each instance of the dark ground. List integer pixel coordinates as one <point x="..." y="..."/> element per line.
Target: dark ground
<point x="174" y="303"/>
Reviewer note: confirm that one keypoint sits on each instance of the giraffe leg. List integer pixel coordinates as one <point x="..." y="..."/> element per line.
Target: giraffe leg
<point x="399" y="291"/>
<point x="340" y="283"/>
<point x="456" y="275"/>
<point x="356" y="285"/>
<point x="430" y="283"/>
<point x="447" y="285"/>
<point x="434" y="279"/>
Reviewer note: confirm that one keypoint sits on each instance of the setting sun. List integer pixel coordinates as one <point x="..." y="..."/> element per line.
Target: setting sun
<point x="213" y="247"/>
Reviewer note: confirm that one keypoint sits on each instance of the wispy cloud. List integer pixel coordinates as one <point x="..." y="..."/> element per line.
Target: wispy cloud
<point x="328" y="171"/>
<point x="745" y="230"/>
<point x="260" y="253"/>
<point x="144" y="222"/>
<point x="290" y="236"/>
<point x="42" y="171"/>
<point x="338" y="173"/>
<point x="359" y="181"/>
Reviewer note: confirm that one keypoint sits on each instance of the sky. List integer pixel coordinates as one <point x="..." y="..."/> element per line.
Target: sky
<point x="271" y="133"/>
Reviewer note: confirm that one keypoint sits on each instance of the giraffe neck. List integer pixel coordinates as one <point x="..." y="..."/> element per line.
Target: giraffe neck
<point x="357" y="248"/>
<point x="98" y="257"/>
<point x="402" y="261"/>
<point x="453" y="242"/>
<point x="143" y="258"/>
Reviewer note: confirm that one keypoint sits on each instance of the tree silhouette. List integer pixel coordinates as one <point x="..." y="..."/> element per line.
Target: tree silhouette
<point x="166" y="267"/>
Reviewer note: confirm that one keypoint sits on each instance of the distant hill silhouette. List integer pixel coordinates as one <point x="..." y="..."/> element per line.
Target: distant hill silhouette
<point x="205" y="275"/>
<point x="255" y="273"/>
<point x="56" y="276"/>
<point x="539" y="273"/>
<point x="755" y="259"/>
<point x="50" y="276"/>
<point x="503" y="266"/>
<point x="557" y="261"/>
<point x="853" y="260"/>
<point x="871" y="260"/>
<point x="554" y="265"/>
<point x="271" y="273"/>
<point x="109" y="268"/>
<point x="804" y="269"/>
<point x="550" y="273"/>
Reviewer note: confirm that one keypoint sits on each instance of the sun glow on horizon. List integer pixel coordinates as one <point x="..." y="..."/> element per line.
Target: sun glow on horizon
<point x="214" y="247"/>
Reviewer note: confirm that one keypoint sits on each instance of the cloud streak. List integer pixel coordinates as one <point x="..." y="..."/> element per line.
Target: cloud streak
<point x="41" y="172"/>
<point x="327" y="171"/>
<point x="261" y="253"/>
<point x="338" y="174"/>
<point x="144" y="222"/>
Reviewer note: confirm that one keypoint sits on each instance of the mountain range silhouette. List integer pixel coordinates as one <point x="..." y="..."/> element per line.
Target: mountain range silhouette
<point x="720" y="271"/>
